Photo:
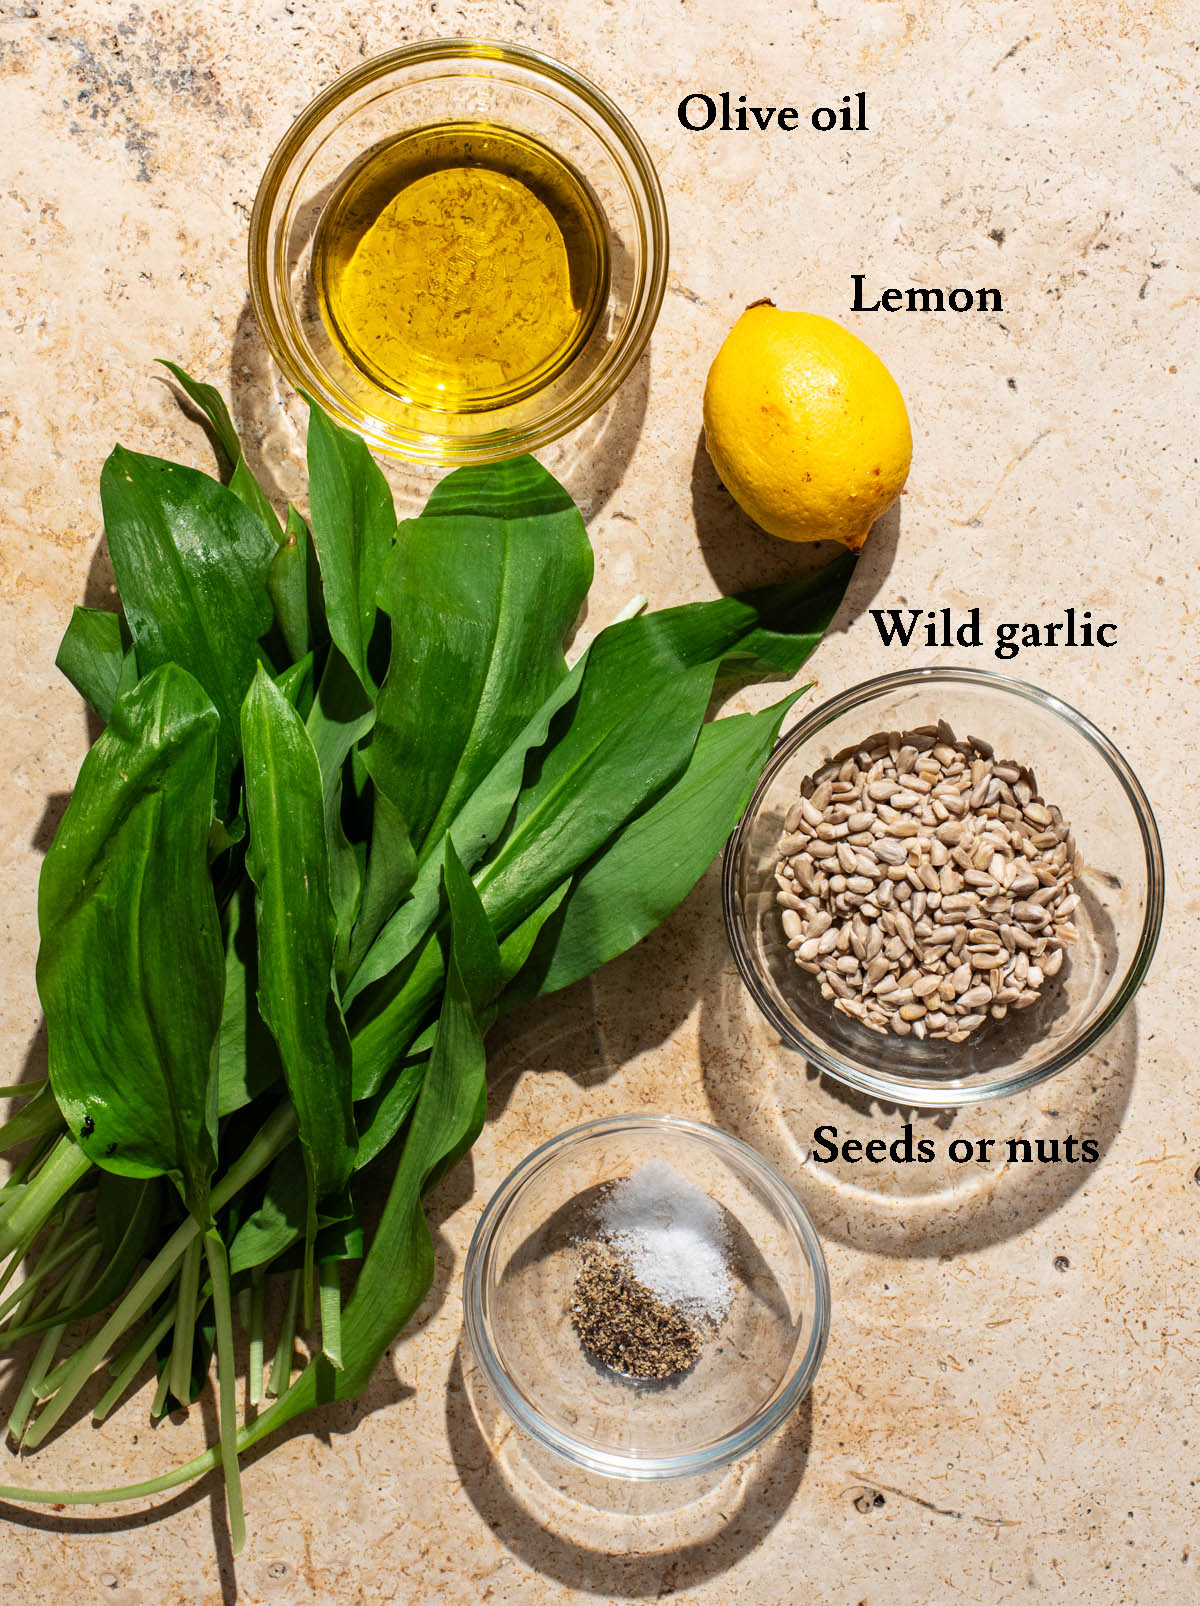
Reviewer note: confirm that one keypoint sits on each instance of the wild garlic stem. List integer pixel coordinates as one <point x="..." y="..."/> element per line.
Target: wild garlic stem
<point x="26" y="1312"/>
<point x="218" y="1266"/>
<point x="254" y="1375"/>
<point x="275" y="1135"/>
<point x="38" y="1151"/>
<point x="331" y="1311"/>
<point x="306" y="1280"/>
<point x="14" y="1260"/>
<point x="185" y="1323"/>
<point x="241" y="1303"/>
<point x="159" y="1408"/>
<point x="131" y="1361"/>
<point x="47" y="1349"/>
<point x="50" y="1257"/>
<point x="281" y="1370"/>
<point x="41" y="1117"/>
<point x="66" y="1166"/>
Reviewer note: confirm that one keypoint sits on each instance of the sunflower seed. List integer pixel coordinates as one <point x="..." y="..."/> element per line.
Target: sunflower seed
<point x="930" y="878"/>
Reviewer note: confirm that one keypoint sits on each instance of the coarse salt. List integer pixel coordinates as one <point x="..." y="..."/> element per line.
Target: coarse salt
<point x="672" y="1236"/>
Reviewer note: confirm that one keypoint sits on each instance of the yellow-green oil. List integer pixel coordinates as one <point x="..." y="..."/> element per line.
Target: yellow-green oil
<point x="461" y="266"/>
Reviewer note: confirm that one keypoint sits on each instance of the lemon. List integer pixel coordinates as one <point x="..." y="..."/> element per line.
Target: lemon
<point x="805" y="426"/>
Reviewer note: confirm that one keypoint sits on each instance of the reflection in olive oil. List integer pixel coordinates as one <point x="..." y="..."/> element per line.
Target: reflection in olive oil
<point x="461" y="267"/>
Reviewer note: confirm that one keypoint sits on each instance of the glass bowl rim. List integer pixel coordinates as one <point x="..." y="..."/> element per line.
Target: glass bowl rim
<point x="630" y="153"/>
<point x="916" y="1092"/>
<point x="732" y="1446"/>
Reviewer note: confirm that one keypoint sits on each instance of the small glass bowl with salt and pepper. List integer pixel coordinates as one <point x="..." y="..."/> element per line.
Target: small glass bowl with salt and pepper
<point x="646" y="1297"/>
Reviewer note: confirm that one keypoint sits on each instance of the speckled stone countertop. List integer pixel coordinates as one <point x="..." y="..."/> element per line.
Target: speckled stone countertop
<point x="1008" y="1403"/>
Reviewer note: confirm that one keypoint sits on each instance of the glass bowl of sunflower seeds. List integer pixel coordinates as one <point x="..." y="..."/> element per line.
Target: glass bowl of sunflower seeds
<point x="947" y="886"/>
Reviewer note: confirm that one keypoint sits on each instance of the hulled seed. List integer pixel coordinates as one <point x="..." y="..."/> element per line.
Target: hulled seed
<point x="926" y="884"/>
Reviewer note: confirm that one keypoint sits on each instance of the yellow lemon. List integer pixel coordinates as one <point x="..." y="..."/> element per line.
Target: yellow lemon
<point x="805" y="426"/>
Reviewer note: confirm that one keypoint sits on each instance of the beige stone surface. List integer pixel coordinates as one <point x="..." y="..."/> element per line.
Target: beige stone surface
<point x="1008" y="1404"/>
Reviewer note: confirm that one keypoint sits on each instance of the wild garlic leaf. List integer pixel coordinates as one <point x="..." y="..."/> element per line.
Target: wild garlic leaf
<point x="247" y="1058"/>
<point x="341" y="715"/>
<point x="296" y="684"/>
<point x="479" y="824"/>
<point x="634" y="725"/>
<point x="353" y="525"/>
<point x="786" y="622"/>
<point x="241" y="481"/>
<point x="382" y="1115"/>
<point x="288" y="582"/>
<point x="191" y="562"/>
<point x="651" y="865"/>
<point x="628" y="735"/>
<point x="481" y="590"/>
<point x="288" y="861"/>
<point x="131" y="968"/>
<point x="278" y="1222"/>
<point x="448" y="1112"/>
<point x="391" y="871"/>
<point x="92" y="654"/>
<point x="521" y="943"/>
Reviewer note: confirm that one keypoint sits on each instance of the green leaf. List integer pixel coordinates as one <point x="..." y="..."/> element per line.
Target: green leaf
<point x="473" y="945"/>
<point x="341" y="1237"/>
<point x="131" y="968"/>
<point x="650" y="866"/>
<point x="481" y="591"/>
<point x="278" y="1223"/>
<point x="191" y="562"/>
<point x="280" y="1218"/>
<point x="247" y="1058"/>
<point x="391" y="871"/>
<point x="296" y="684"/>
<point x="92" y="654"/>
<point x="634" y="726"/>
<point x="769" y="631"/>
<point x="212" y="404"/>
<point x="480" y="823"/>
<point x="353" y="524"/>
<point x="382" y="1115"/>
<point x="447" y="1116"/>
<point x="289" y="864"/>
<point x="341" y="715"/>
<point x="287" y="582"/>
<point x="630" y="734"/>
<point x="518" y="946"/>
<point x="242" y="483"/>
<point x="36" y="1119"/>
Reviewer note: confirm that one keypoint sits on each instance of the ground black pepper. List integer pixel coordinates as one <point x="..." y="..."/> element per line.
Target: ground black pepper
<point x="624" y="1325"/>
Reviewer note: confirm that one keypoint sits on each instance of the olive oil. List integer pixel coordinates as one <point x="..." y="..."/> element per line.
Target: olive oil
<point x="460" y="267"/>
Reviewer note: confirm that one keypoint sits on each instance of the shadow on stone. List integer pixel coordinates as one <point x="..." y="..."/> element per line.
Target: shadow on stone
<point x="611" y="1536"/>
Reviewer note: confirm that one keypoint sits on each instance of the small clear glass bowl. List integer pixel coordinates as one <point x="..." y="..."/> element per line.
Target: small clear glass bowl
<point x="1118" y="917"/>
<point x="460" y="81"/>
<point x="751" y="1374"/>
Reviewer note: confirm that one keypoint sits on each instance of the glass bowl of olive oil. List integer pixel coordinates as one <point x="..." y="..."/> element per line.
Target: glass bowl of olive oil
<point x="459" y="250"/>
